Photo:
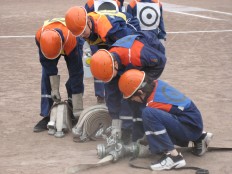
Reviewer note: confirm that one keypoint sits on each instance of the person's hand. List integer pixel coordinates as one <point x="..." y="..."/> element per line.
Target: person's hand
<point x="55" y="83"/>
<point x="143" y="140"/>
<point x="55" y="94"/>
<point x="143" y="150"/>
<point x="116" y="128"/>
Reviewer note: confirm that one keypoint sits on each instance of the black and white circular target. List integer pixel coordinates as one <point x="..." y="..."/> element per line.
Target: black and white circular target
<point x="105" y="5"/>
<point x="148" y="15"/>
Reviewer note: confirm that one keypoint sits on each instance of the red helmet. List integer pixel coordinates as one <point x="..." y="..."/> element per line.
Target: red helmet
<point x="130" y="81"/>
<point x="102" y="65"/>
<point x="50" y="44"/>
<point x="76" y="20"/>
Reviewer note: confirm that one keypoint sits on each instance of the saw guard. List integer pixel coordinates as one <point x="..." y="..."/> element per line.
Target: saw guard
<point x="60" y="119"/>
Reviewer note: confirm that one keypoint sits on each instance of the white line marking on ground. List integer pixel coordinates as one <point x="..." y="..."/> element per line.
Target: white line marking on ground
<point x="200" y="16"/>
<point x="220" y="12"/>
<point x="182" y="8"/>
<point x="189" y="32"/>
<point x="23" y="36"/>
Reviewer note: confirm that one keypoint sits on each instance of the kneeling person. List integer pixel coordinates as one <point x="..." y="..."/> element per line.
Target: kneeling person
<point x="169" y="118"/>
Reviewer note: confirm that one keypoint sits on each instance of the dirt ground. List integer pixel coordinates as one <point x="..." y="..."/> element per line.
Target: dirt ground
<point x="199" y="64"/>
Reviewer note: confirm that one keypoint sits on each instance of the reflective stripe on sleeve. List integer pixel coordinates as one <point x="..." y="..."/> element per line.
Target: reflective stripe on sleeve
<point x="126" y="117"/>
<point x="137" y="119"/>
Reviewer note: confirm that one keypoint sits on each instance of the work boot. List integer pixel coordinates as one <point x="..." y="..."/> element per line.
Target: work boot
<point x="41" y="125"/>
<point x="200" y="146"/>
<point x="100" y="100"/>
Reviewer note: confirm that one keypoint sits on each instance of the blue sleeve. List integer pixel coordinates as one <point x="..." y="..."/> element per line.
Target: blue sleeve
<point x="121" y="1"/>
<point x="50" y="66"/>
<point x="162" y="32"/>
<point x="129" y="9"/>
<point x="113" y="97"/>
<point x="88" y="8"/>
<point x="75" y="68"/>
<point x="133" y="23"/>
<point x="118" y="30"/>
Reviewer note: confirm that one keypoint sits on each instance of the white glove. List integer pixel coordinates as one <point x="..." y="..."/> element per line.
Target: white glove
<point x="55" y="94"/>
<point x="55" y="83"/>
<point x="77" y="102"/>
<point x="116" y="128"/>
<point x="162" y="41"/>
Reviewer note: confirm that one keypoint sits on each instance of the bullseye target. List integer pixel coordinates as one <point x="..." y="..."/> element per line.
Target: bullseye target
<point x="148" y="15"/>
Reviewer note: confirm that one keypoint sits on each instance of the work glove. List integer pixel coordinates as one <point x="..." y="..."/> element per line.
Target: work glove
<point x="143" y="140"/>
<point x="77" y="102"/>
<point x="55" y="83"/>
<point x="143" y="151"/>
<point x="116" y="128"/>
<point x="143" y="148"/>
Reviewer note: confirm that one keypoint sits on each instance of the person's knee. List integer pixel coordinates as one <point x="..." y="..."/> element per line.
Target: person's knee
<point x="150" y="115"/>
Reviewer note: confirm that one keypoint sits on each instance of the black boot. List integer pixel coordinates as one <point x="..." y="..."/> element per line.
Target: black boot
<point x="42" y="125"/>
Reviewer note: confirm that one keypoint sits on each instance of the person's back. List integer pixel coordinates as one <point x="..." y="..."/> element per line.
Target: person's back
<point x="98" y="27"/>
<point x="60" y="27"/>
<point x="91" y="6"/>
<point x="150" y="15"/>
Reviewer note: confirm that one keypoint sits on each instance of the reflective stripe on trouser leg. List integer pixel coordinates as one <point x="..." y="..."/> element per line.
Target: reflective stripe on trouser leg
<point x="138" y="130"/>
<point x="127" y="121"/>
<point x="162" y="130"/>
<point x="126" y="115"/>
<point x="99" y="88"/>
<point x="46" y="100"/>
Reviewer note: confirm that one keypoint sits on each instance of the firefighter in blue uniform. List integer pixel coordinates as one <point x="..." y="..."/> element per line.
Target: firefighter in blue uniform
<point x="54" y="40"/>
<point x="142" y="51"/>
<point x="169" y="118"/>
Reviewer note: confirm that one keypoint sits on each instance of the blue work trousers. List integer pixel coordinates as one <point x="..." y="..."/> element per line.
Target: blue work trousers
<point x="164" y="130"/>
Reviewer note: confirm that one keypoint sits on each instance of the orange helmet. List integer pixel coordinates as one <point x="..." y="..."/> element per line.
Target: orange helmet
<point x="76" y="20"/>
<point x="50" y="44"/>
<point x="102" y="65"/>
<point x="130" y="81"/>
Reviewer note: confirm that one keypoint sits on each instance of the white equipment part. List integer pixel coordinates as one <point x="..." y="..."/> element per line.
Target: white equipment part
<point x="100" y="5"/>
<point x="87" y="72"/>
<point x="91" y="120"/>
<point x="86" y="60"/>
<point x="60" y="119"/>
